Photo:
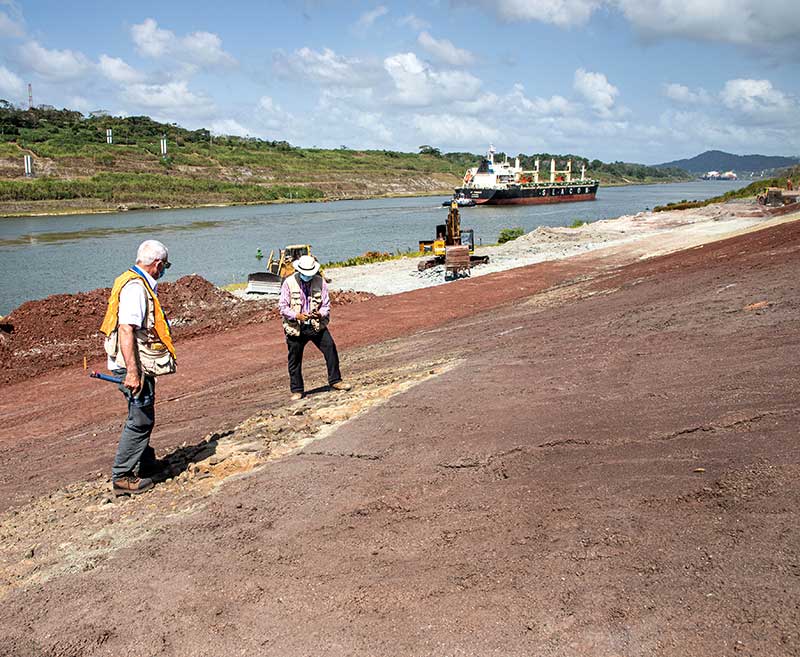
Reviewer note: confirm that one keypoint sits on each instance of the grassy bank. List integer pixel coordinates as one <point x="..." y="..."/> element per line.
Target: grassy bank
<point x="72" y="163"/>
<point x="750" y="191"/>
<point x="123" y="188"/>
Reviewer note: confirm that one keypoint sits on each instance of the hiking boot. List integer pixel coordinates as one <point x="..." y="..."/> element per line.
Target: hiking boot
<point x="296" y="396"/>
<point x="341" y="385"/>
<point x="131" y="485"/>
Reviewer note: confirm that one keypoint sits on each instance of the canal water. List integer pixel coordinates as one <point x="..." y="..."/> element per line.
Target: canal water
<point x="40" y="256"/>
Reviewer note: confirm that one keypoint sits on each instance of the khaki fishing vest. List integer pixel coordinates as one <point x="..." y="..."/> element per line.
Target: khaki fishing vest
<point x="154" y="357"/>
<point x="292" y="327"/>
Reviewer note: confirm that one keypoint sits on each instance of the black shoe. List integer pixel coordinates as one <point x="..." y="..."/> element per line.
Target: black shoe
<point x="131" y="485"/>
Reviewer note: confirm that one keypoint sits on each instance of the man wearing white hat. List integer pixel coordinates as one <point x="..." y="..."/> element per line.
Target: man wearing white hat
<point x="306" y="307"/>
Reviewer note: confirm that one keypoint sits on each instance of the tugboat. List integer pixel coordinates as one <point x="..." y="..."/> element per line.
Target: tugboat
<point x="461" y="200"/>
<point x="493" y="183"/>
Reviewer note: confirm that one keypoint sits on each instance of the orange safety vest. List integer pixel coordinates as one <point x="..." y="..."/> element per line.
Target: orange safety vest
<point x="161" y="324"/>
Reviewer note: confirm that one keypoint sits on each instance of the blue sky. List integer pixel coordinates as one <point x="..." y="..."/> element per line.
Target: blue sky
<point x="634" y="80"/>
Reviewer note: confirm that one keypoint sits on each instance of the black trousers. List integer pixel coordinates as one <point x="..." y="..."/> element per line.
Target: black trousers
<point x="324" y="342"/>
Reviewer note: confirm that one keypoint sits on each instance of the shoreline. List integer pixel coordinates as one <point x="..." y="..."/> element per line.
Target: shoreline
<point x="676" y="229"/>
<point x="67" y="212"/>
<point x="540" y="245"/>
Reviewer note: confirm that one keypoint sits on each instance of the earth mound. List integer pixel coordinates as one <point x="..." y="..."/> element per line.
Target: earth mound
<point x="61" y="329"/>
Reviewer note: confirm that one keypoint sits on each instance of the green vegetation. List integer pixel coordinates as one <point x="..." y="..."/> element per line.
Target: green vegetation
<point x="722" y="161"/>
<point x="508" y="234"/>
<point x="751" y="190"/>
<point x="578" y="223"/>
<point x="368" y="258"/>
<point x="150" y="188"/>
<point x="73" y="161"/>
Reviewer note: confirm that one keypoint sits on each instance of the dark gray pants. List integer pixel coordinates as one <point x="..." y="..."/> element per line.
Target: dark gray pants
<point x="134" y="443"/>
<point x="324" y="342"/>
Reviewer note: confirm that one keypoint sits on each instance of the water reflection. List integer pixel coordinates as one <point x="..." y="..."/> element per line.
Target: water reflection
<point x="67" y="236"/>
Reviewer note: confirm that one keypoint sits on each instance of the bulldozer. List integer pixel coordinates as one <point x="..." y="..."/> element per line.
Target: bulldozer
<point x="278" y="268"/>
<point x="452" y="247"/>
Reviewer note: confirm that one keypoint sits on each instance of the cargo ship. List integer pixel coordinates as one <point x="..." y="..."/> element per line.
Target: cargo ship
<point x="500" y="183"/>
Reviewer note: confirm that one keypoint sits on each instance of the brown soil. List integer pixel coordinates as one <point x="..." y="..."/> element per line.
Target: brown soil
<point x="60" y="330"/>
<point x="593" y="457"/>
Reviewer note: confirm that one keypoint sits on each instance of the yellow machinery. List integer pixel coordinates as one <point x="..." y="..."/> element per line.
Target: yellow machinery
<point x="450" y="239"/>
<point x="269" y="281"/>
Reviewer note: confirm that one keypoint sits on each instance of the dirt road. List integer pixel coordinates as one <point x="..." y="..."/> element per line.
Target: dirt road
<point x="592" y="457"/>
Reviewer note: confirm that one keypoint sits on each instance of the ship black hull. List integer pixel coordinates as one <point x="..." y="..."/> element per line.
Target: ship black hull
<point x="531" y="195"/>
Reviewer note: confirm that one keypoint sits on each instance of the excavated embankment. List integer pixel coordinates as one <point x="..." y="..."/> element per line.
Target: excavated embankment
<point x="596" y="457"/>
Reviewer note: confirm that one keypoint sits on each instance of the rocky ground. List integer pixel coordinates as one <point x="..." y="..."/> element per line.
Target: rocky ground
<point x="592" y="456"/>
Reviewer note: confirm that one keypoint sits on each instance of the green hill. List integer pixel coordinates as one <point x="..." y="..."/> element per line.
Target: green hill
<point x="76" y="170"/>
<point x="722" y="161"/>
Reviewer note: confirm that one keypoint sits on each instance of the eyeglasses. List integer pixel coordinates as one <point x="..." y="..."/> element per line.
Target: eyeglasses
<point x="167" y="264"/>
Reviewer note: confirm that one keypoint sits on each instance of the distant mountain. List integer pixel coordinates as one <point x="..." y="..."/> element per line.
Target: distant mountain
<point x="721" y="161"/>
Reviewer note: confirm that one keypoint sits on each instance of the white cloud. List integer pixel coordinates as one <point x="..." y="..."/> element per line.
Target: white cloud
<point x="445" y="51"/>
<point x="756" y="97"/>
<point x="172" y="97"/>
<point x="564" y="13"/>
<point x="118" y="70"/>
<point x="555" y="105"/>
<point x="516" y="104"/>
<point x="325" y="67"/>
<point x="418" y="84"/>
<point x="744" y="22"/>
<point x="455" y="130"/>
<point x="367" y="19"/>
<point x="11" y="86"/>
<point x="151" y="40"/>
<point x="198" y="49"/>
<point x="79" y="103"/>
<point x="206" y="49"/>
<point x="273" y="116"/>
<point x="597" y="90"/>
<point x="682" y="94"/>
<point x="229" y="127"/>
<point x="701" y="131"/>
<point x="414" y="22"/>
<point x="53" y="64"/>
<point x="372" y="123"/>
<point x="364" y="98"/>
<point x="11" y="27"/>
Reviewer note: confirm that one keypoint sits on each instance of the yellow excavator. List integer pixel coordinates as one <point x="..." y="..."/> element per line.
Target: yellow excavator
<point x="278" y="268"/>
<point x="452" y="247"/>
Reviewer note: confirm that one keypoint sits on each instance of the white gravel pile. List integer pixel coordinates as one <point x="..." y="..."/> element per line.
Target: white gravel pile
<point x="544" y="243"/>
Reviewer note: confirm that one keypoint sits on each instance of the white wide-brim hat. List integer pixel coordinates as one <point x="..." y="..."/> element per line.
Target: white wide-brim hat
<point x="306" y="265"/>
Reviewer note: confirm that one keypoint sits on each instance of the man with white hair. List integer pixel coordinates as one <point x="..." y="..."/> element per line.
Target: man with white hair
<point x="139" y="347"/>
<point x="306" y="308"/>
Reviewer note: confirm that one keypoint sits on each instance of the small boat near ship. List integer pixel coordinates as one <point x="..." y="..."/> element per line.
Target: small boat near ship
<point x="461" y="201"/>
<point x="500" y="183"/>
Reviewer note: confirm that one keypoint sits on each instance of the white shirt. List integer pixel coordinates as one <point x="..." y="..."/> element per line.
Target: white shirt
<point x="133" y="306"/>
